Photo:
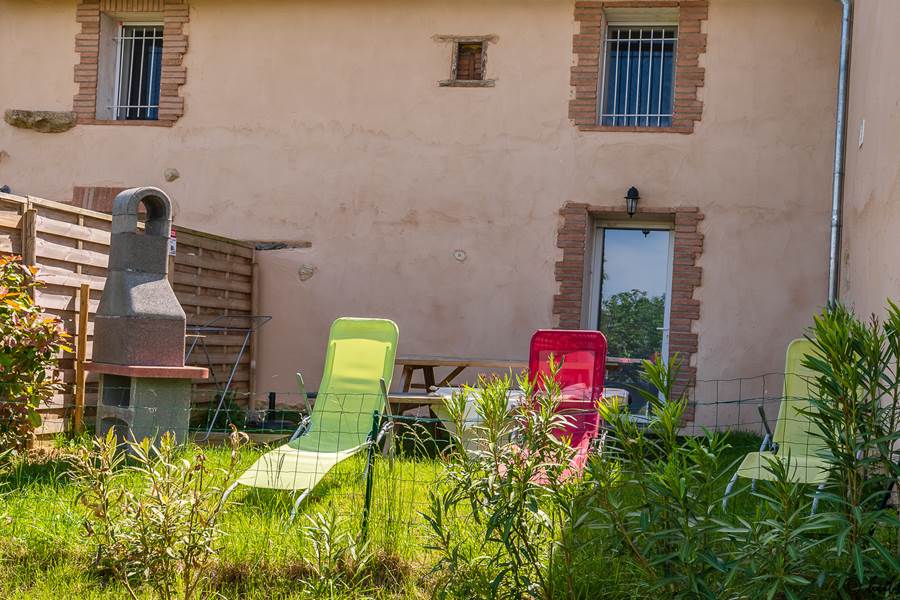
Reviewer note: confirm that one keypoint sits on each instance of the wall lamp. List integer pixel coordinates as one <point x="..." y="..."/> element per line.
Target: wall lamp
<point x="631" y="200"/>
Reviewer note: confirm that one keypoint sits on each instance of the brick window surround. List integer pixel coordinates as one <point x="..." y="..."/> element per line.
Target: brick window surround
<point x="587" y="46"/>
<point x="573" y="238"/>
<point x="174" y="14"/>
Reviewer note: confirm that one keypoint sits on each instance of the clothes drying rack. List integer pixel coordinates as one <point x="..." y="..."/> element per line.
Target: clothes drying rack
<point x="241" y="325"/>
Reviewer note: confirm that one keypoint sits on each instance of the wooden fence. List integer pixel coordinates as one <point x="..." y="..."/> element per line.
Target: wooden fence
<point x="211" y="276"/>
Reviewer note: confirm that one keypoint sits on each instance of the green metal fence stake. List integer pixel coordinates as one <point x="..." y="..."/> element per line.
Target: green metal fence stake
<point x="370" y="472"/>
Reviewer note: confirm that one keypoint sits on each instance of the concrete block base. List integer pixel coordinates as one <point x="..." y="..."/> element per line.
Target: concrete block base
<point x="141" y="407"/>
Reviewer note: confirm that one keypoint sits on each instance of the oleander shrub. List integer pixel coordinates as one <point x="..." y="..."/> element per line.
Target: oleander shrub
<point x="646" y="518"/>
<point x="154" y="512"/>
<point x="856" y="413"/>
<point x="511" y="478"/>
<point x="658" y="494"/>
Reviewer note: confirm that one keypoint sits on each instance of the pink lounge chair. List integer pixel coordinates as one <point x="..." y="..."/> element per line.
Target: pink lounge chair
<point x="581" y="356"/>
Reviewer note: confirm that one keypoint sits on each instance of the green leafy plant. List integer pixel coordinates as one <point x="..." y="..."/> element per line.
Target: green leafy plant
<point x="657" y="493"/>
<point x="163" y="532"/>
<point x="341" y="563"/>
<point x="463" y="568"/>
<point x="511" y="474"/>
<point x="30" y="345"/>
<point x="776" y="551"/>
<point x="856" y="412"/>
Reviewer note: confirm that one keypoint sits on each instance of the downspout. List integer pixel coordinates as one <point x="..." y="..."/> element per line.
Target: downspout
<point x="840" y="134"/>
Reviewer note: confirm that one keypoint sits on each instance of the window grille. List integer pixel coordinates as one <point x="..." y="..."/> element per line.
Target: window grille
<point x="639" y="82"/>
<point x="138" y="71"/>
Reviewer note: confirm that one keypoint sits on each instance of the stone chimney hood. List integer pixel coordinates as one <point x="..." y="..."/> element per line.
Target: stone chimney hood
<point x="139" y="321"/>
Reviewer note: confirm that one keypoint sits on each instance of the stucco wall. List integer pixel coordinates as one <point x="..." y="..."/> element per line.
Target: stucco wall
<point x="322" y="121"/>
<point x="870" y="273"/>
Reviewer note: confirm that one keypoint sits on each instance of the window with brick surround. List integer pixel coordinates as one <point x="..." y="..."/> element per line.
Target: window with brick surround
<point x="468" y="60"/>
<point x="573" y="305"/>
<point x="130" y="70"/>
<point x="658" y="45"/>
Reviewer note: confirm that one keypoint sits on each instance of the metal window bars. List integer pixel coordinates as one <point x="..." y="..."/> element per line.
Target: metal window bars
<point x="638" y="85"/>
<point x="138" y="71"/>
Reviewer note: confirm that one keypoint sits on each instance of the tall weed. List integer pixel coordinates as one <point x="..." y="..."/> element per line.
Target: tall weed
<point x="340" y="563"/>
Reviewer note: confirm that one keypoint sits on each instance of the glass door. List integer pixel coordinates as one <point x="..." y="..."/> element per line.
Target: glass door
<point x="631" y="282"/>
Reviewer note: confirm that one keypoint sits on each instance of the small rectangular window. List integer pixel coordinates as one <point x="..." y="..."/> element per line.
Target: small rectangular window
<point x="138" y="71"/>
<point x="639" y="77"/>
<point x="469" y="61"/>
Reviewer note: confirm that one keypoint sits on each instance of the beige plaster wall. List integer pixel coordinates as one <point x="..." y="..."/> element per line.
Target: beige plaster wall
<point x="322" y="121"/>
<point x="870" y="272"/>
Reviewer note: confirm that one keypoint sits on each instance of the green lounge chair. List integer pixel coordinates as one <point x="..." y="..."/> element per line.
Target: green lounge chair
<point x="359" y="363"/>
<point x="794" y="442"/>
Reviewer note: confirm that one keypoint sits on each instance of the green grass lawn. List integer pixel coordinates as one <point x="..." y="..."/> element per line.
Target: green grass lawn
<point x="44" y="554"/>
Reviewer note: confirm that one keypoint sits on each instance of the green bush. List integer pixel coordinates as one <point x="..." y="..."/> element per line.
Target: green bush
<point x="511" y="475"/>
<point x="857" y="415"/>
<point x="30" y="345"/>
<point x="658" y="496"/>
<point x="775" y="552"/>
<point x="646" y="519"/>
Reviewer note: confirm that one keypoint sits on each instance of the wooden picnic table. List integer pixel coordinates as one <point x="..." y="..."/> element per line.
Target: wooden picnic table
<point x="427" y="364"/>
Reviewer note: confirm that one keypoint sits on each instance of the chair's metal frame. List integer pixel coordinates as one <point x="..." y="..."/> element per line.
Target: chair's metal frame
<point x="768" y="443"/>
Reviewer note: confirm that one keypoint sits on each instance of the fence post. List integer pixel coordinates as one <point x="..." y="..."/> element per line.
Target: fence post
<point x="80" y="351"/>
<point x="29" y="235"/>
<point x="29" y="254"/>
<point x="370" y="475"/>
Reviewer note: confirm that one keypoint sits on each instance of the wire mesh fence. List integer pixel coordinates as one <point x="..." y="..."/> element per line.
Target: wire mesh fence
<point x="376" y="467"/>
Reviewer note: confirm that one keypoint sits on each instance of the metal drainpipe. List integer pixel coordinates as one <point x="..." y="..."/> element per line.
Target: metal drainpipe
<point x="840" y="134"/>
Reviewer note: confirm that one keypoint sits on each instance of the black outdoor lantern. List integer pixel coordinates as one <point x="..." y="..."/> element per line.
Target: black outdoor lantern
<point x="631" y="200"/>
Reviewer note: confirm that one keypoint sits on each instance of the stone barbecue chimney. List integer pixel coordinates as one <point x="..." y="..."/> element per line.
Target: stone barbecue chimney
<point x="139" y="320"/>
<point x="145" y="388"/>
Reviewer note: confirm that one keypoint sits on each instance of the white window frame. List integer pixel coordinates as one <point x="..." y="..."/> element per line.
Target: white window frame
<point x="604" y="58"/>
<point x="119" y="49"/>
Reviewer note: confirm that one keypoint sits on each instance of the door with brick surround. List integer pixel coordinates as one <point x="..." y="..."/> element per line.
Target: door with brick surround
<point x="630" y="293"/>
